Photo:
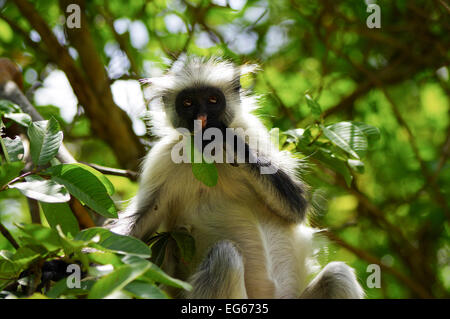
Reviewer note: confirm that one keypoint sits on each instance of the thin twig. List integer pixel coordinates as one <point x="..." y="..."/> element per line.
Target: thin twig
<point x="5" y="232"/>
<point x="18" y="178"/>
<point x="132" y="175"/>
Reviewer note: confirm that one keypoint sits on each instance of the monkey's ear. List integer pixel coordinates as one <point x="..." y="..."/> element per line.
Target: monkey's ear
<point x="242" y="71"/>
<point x="248" y="68"/>
<point x="158" y="83"/>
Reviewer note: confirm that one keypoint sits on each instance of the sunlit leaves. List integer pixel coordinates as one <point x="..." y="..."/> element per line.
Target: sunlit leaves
<point x="155" y="274"/>
<point x="135" y="268"/>
<point x="43" y="190"/>
<point x="85" y="185"/>
<point x="314" y="106"/>
<point x="348" y="137"/>
<point x="130" y="275"/>
<point x="114" y="242"/>
<point x="20" y="118"/>
<point x="371" y="132"/>
<point x="7" y="107"/>
<point x="11" y="264"/>
<point x="335" y="163"/>
<point x="117" y="279"/>
<point x="145" y="290"/>
<point x="39" y="238"/>
<point x="45" y="140"/>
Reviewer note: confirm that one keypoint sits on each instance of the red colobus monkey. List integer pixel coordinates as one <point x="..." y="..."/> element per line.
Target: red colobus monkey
<point x="248" y="228"/>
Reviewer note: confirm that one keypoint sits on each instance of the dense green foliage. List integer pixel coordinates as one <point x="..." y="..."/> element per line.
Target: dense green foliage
<point x="366" y="109"/>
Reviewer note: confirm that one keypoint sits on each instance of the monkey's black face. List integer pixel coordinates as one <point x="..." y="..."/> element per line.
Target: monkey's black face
<point x="205" y="104"/>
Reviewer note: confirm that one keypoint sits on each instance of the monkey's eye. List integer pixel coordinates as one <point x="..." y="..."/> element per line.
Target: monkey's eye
<point x="212" y="99"/>
<point x="187" y="102"/>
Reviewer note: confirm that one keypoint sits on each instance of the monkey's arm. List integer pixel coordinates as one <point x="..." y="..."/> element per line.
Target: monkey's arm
<point x="276" y="184"/>
<point x="141" y="217"/>
<point x="149" y="207"/>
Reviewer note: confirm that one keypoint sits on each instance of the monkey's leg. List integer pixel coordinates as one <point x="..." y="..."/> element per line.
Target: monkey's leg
<point x="220" y="275"/>
<point x="335" y="281"/>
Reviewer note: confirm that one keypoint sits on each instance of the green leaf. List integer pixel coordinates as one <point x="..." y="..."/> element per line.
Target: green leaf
<point x="348" y="137"/>
<point x="14" y="147"/>
<point x="49" y="111"/>
<point x="116" y="280"/>
<point x="85" y="185"/>
<point x="314" y="106"/>
<point x="43" y="190"/>
<point x="371" y="132"/>
<point x="356" y="165"/>
<point x="102" y="178"/>
<point x="24" y="256"/>
<point x="159" y="248"/>
<point x="145" y="290"/>
<point x="8" y="107"/>
<point x="185" y="243"/>
<point x="61" y="214"/>
<point x="2" y="144"/>
<point x="204" y="172"/>
<point x="58" y="289"/>
<point x="9" y="171"/>
<point x="115" y="242"/>
<point x="45" y="140"/>
<point x="156" y="274"/>
<point x="294" y="135"/>
<point x="39" y="236"/>
<point x="105" y="258"/>
<point x="336" y="164"/>
<point x="11" y="265"/>
<point x="20" y="118"/>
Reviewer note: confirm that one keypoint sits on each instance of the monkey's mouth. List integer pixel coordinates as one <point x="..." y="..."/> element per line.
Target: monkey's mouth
<point x="204" y="119"/>
<point x="203" y="122"/>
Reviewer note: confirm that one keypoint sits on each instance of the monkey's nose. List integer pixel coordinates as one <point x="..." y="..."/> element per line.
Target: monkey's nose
<point x="203" y="118"/>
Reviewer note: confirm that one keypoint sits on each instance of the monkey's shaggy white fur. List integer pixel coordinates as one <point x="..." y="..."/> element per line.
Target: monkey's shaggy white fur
<point x="249" y="242"/>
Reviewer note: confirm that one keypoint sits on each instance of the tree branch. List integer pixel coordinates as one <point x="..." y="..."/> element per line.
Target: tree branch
<point x="414" y="286"/>
<point x="107" y="120"/>
<point x="121" y="40"/>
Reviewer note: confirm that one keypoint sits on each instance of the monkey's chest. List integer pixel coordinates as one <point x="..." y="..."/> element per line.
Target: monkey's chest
<point x="232" y="211"/>
<point x="264" y="241"/>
